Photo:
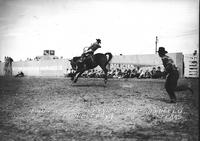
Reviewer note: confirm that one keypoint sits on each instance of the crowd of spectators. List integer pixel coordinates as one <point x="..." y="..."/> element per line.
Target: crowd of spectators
<point x="135" y="72"/>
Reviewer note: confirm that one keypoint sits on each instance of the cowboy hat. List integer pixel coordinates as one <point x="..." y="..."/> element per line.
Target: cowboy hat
<point x="162" y="50"/>
<point x="98" y="40"/>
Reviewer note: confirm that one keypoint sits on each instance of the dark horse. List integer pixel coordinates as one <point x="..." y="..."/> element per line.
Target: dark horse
<point x="98" y="59"/>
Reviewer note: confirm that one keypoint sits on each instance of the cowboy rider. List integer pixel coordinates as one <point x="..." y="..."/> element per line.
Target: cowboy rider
<point x="90" y="50"/>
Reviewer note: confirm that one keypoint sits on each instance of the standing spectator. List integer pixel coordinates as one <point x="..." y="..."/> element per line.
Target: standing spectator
<point x="172" y="74"/>
<point x="8" y="66"/>
<point x="158" y="72"/>
<point x="153" y="72"/>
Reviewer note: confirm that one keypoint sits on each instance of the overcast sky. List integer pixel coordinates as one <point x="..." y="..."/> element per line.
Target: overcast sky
<point x="27" y="27"/>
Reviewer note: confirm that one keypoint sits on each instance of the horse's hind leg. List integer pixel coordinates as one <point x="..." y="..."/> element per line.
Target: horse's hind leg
<point x="105" y="74"/>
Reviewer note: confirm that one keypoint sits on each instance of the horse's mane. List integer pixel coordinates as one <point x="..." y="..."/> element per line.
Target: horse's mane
<point x="76" y="58"/>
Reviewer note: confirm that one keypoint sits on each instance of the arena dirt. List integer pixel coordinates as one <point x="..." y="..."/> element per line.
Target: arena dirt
<point x="55" y="109"/>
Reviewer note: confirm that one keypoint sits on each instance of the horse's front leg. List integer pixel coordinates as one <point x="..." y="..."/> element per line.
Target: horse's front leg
<point x="72" y="76"/>
<point x="77" y="75"/>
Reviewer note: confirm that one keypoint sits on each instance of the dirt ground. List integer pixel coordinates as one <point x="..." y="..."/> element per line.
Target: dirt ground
<point x="54" y="109"/>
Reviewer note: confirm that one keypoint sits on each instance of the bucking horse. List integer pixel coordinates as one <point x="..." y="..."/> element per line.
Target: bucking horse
<point x="90" y="62"/>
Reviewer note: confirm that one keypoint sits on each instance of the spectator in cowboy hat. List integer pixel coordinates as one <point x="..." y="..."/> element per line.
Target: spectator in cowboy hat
<point x="171" y="72"/>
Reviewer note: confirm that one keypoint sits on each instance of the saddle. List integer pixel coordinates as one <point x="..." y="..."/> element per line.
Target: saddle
<point x="87" y="58"/>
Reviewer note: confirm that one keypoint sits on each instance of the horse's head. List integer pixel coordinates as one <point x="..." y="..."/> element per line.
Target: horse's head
<point x="73" y="64"/>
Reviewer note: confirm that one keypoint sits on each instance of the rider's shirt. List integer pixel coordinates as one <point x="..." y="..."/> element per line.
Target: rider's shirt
<point x="94" y="47"/>
<point x="168" y="63"/>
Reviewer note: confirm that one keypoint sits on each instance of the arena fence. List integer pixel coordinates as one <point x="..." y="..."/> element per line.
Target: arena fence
<point x="58" y="67"/>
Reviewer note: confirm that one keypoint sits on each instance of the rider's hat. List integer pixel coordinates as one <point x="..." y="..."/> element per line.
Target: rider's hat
<point x="98" y="40"/>
<point x="162" y="50"/>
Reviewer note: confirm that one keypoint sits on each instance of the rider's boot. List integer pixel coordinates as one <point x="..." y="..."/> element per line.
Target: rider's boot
<point x="92" y="58"/>
<point x="82" y="59"/>
<point x="84" y="66"/>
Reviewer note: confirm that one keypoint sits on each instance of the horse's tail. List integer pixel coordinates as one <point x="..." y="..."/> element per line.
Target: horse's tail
<point x="110" y="56"/>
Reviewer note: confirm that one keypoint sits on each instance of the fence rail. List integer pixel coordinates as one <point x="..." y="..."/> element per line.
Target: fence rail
<point x="191" y="65"/>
